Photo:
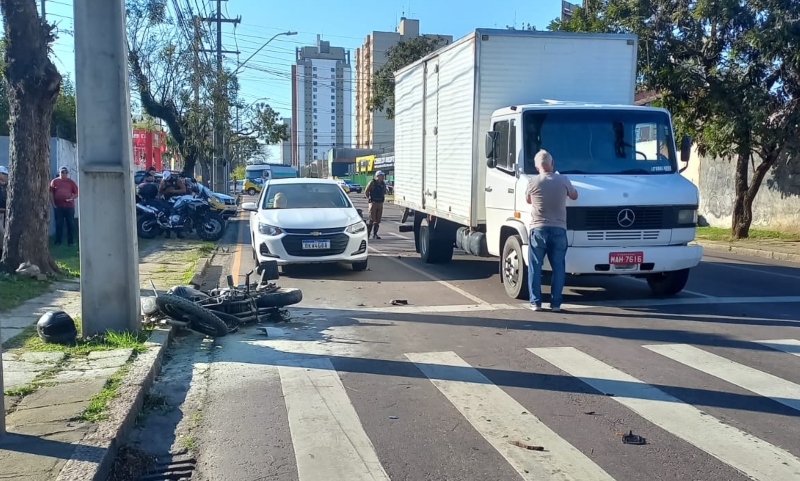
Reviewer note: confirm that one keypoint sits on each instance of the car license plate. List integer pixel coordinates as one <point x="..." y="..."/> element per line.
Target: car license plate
<point x="316" y="244"/>
<point x="617" y="258"/>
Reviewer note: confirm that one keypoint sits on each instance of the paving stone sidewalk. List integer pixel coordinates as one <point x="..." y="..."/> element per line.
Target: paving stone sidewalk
<point x="50" y="391"/>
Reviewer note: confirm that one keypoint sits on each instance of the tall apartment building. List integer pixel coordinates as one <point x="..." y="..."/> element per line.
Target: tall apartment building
<point x="373" y="129"/>
<point x="322" y="110"/>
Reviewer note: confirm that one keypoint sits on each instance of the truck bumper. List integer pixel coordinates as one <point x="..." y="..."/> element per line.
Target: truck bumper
<point x="595" y="260"/>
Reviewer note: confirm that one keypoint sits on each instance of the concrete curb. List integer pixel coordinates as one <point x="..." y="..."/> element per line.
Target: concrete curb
<point x="94" y="457"/>
<point x="749" y="251"/>
<point x="200" y="269"/>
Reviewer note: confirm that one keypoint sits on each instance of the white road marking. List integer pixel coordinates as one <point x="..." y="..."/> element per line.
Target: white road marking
<point x="685" y="291"/>
<point x="759" y="382"/>
<point x="329" y="441"/>
<point x="753" y="456"/>
<point x="498" y="418"/>
<point x="433" y="278"/>
<point x="687" y="301"/>
<point x="790" y="346"/>
<point x="749" y="269"/>
<point x="400" y="236"/>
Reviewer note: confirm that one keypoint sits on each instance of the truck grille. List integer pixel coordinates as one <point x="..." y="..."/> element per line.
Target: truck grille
<point x="294" y="244"/>
<point x="616" y="218"/>
<point x="619" y="235"/>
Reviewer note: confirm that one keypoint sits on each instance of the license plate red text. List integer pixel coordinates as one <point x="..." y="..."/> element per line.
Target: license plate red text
<point x="616" y="258"/>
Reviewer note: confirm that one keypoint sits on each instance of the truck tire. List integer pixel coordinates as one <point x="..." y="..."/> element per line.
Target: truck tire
<point x="417" y="222"/>
<point x="435" y="248"/>
<point x="513" y="269"/>
<point x="668" y="283"/>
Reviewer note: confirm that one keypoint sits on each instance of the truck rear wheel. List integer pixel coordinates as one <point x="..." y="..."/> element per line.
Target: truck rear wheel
<point x="434" y="247"/>
<point x="513" y="269"/>
<point x="668" y="283"/>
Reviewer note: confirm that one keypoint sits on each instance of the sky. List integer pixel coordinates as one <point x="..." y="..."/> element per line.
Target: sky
<point x="343" y="24"/>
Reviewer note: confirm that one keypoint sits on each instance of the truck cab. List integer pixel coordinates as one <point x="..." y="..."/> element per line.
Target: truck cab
<point x="635" y="214"/>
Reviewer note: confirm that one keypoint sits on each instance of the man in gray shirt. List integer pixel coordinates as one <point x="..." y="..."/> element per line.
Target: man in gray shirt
<point x="547" y="193"/>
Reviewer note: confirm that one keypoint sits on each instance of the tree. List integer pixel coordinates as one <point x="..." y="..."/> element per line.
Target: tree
<point x="397" y="57"/>
<point x="727" y="70"/>
<point x="33" y="84"/>
<point x="177" y="84"/>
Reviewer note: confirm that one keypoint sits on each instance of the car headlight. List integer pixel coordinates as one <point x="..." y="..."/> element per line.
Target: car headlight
<point x="356" y="228"/>
<point x="687" y="216"/>
<point x="269" y="230"/>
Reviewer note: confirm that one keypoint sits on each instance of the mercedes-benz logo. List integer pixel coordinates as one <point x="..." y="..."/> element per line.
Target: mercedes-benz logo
<point x="625" y="218"/>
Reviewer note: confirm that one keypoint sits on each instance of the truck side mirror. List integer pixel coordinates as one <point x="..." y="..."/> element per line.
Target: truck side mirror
<point x="491" y="148"/>
<point x="686" y="148"/>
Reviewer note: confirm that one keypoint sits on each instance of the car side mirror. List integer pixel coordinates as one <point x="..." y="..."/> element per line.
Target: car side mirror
<point x="250" y="206"/>
<point x="360" y="213"/>
<point x="491" y="148"/>
<point x="686" y="151"/>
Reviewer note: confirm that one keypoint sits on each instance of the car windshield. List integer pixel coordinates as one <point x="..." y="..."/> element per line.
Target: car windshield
<point x="305" y="196"/>
<point x="621" y="142"/>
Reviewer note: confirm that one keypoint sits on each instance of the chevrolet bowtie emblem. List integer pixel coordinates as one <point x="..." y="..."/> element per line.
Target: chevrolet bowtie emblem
<point x="316" y="233"/>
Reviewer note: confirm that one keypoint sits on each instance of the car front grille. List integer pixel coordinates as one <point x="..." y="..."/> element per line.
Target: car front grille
<point x="294" y="244"/>
<point x="335" y="230"/>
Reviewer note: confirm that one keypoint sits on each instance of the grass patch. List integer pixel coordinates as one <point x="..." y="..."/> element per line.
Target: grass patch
<point x="28" y="340"/>
<point x="188" y="442"/>
<point x="67" y="258"/>
<point x="724" y="235"/>
<point x="204" y="250"/>
<point x="96" y="410"/>
<point x="20" y="391"/>
<point x="15" y="290"/>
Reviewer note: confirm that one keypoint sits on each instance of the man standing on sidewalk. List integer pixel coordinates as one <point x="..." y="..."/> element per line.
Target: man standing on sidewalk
<point x="547" y="193"/>
<point x="63" y="192"/>
<point x="376" y="193"/>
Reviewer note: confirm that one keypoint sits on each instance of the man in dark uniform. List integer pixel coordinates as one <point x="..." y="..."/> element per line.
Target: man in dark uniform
<point x="376" y="193"/>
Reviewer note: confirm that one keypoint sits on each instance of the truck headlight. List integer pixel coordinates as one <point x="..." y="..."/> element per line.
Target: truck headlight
<point x="356" y="228"/>
<point x="269" y="230"/>
<point x="687" y="216"/>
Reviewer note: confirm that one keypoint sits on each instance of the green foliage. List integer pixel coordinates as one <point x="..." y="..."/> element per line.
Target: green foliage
<point x="728" y="70"/>
<point x="397" y="57"/>
<point x="238" y="172"/>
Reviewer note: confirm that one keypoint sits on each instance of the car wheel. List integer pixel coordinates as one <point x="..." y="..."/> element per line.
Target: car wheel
<point x="360" y="266"/>
<point x="251" y="191"/>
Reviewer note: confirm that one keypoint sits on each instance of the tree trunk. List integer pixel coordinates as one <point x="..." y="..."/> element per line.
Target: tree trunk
<point x="33" y="85"/>
<point x="746" y="194"/>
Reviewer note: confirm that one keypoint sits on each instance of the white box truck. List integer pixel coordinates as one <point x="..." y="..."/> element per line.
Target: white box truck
<point x="469" y="119"/>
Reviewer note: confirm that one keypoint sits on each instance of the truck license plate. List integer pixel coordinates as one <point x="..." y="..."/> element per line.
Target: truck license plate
<point x="316" y="244"/>
<point x="617" y="258"/>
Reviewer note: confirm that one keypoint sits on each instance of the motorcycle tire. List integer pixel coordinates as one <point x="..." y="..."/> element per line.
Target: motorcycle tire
<point x="230" y="320"/>
<point x="278" y="298"/>
<point x="199" y="318"/>
<point x="215" y="234"/>
<point x="147" y="227"/>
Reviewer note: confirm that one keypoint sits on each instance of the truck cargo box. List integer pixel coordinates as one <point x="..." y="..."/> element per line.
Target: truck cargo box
<point x="444" y="103"/>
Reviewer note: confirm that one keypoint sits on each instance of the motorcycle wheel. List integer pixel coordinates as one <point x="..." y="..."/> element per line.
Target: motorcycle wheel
<point x="278" y="298"/>
<point x="199" y="318"/>
<point x="147" y="227"/>
<point x="212" y="227"/>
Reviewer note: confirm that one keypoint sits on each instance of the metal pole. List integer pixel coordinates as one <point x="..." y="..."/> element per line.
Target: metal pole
<point x="218" y="105"/>
<point x="109" y="250"/>
<point x="44" y="11"/>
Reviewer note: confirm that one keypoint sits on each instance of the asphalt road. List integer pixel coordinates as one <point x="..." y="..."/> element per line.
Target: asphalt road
<point x="466" y="384"/>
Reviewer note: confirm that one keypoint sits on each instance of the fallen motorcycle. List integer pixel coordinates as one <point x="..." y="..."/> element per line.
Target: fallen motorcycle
<point x="223" y="310"/>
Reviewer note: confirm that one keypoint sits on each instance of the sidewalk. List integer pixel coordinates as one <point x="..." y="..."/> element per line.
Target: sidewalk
<point x="778" y="249"/>
<point x="57" y="397"/>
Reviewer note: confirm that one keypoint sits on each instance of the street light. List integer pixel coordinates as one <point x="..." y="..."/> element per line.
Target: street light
<point x="260" y="48"/>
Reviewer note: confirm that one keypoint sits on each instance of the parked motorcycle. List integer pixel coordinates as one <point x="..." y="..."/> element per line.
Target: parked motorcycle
<point x="186" y="213"/>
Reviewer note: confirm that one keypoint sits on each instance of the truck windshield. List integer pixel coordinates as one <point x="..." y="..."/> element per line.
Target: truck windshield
<point x="254" y="173"/>
<point x="601" y="141"/>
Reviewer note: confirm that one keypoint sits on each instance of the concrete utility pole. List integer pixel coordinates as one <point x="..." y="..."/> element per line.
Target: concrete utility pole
<point x="109" y="249"/>
<point x="44" y="10"/>
<point x="219" y="165"/>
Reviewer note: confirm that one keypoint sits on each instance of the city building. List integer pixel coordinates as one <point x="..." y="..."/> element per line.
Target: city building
<point x="322" y="110"/>
<point x="286" y="145"/>
<point x="373" y="130"/>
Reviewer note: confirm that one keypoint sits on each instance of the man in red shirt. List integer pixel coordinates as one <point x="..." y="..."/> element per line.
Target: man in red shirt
<point x="63" y="192"/>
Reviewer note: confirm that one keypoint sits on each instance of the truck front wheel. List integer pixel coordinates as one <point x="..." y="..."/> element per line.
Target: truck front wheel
<point x="513" y="269"/>
<point x="434" y="247"/>
<point x="668" y="283"/>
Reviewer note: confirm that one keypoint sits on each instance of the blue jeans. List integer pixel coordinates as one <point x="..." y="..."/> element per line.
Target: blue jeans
<point x="553" y="242"/>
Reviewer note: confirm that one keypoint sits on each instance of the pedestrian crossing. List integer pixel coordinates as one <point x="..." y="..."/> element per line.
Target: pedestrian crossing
<point x="331" y="444"/>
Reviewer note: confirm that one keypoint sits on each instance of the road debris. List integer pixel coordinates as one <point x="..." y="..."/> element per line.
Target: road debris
<point x="530" y="447"/>
<point x="393" y="417"/>
<point x="631" y="438"/>
<point x="589" y="413"/>
<point x="399" y="302"/>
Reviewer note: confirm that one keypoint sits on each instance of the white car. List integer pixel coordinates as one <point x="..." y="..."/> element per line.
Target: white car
<point x="307" y="221"/>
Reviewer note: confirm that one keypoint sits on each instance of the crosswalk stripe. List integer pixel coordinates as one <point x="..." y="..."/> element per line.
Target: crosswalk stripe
<point x="791" y="346"/>
<point x="755" y="457"/>
<point x="759" y="382"/>
<point x="500" y="420"/>
<point x="329" y="442"/>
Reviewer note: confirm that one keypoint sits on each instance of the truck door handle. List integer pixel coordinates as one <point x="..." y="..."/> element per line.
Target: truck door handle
<point x="510" y="190"/>
<point x="488" y="189"/>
